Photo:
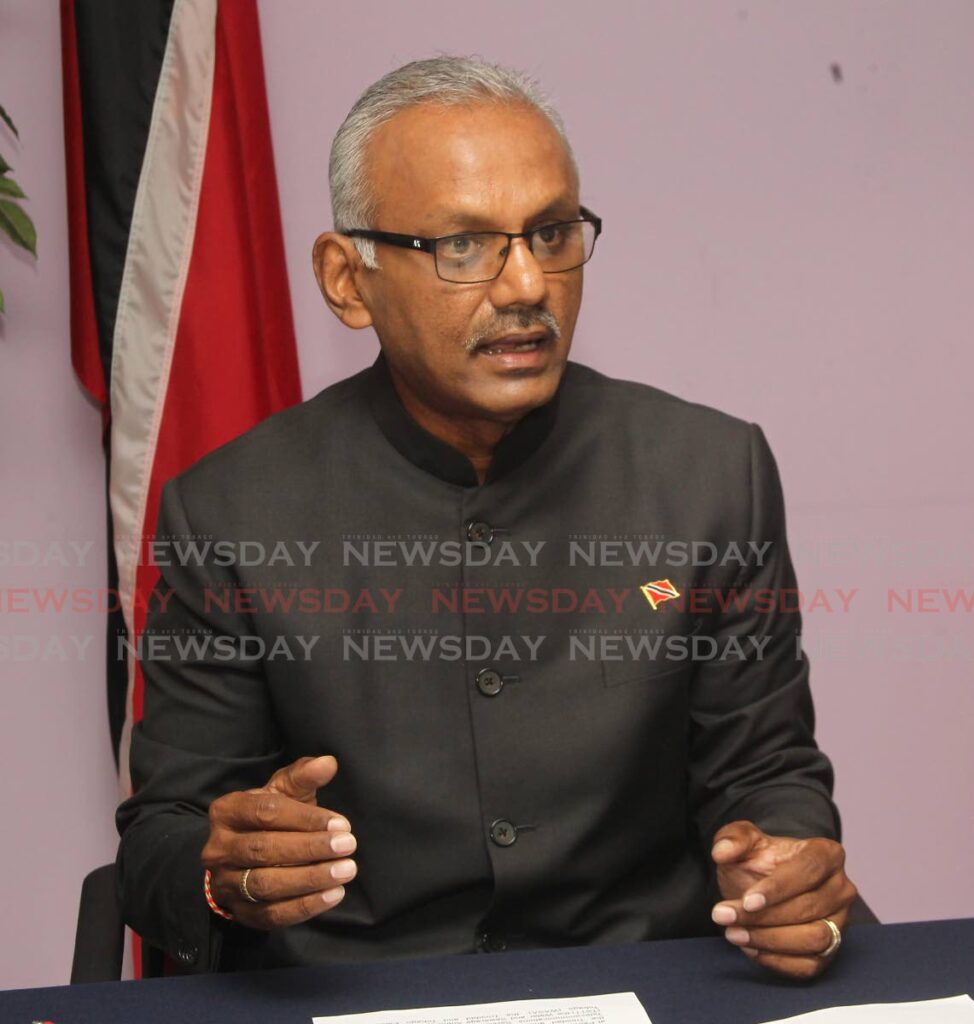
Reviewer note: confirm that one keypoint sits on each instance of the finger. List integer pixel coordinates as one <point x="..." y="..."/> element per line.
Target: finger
<point x="793" y="940"/>
<point x="282" y="914"/>
<point x="266" y="810"/>
<point x="801" y="968"/>
<point x="834" y="896"/>
<point x="277" y="849"/>
<point x="302" y="779"/>
<point x="810" y="863"/>
<point x="272" y="885"/>
<point x="735" y="841"/>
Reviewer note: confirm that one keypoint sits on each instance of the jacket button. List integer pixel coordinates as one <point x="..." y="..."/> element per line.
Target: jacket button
<point x="492" y="943"/>
<point x="187" y="953"/>
<point x="503" y="832"/>
<point x="489" y="682"/>
<point x="479" y="531"/>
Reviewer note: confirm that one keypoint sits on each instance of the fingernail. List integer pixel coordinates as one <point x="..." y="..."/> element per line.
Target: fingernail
<point x="721" y="845"/>
<point x="344" y="843"/>
<point x="339" y="824"/>
<point x="754" y="901"/>
<point x="723" y="914"/>
<point x="749" y="951"/>
<point x="330" y="896"/>
<point x="343" y="869"/>
<point x="738" y="936"/>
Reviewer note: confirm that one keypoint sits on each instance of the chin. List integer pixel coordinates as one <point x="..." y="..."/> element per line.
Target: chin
<point x="517" y="396"/>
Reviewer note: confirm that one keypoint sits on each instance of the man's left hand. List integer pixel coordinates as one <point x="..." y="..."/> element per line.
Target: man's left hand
<point x="777" y="892"/>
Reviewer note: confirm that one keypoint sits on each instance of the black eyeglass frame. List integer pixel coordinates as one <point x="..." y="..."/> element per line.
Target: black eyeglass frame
<point x="420" y="244"/>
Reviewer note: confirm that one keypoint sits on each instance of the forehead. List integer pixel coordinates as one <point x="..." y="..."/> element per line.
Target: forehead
<point x="495" y="162"/>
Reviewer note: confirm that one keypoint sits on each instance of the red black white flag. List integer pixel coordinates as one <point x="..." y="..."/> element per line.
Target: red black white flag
<point x="180" y="311"/>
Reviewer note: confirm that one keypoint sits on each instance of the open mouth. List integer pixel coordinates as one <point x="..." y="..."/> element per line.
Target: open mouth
<point x="513" y="344"/>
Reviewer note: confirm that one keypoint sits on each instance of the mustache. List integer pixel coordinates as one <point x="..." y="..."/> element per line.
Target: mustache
<point x="508" y="323"/>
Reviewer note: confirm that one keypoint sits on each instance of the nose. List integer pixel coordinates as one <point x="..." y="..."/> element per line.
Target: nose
<point x="522" y="281"/>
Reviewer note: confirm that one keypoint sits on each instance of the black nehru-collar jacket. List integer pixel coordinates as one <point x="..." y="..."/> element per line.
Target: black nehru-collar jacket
<point x="441" y="459"/>
<point x="545" y="692"/>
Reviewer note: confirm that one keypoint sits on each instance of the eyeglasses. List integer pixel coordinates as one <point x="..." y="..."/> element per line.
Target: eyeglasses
<point x="477" y="256"/>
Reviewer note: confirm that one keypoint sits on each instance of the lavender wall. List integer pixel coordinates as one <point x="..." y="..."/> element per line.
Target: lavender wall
<point x="789" y="247"/>
<point x="788" y="241"/>
<point x="55" y="757"/>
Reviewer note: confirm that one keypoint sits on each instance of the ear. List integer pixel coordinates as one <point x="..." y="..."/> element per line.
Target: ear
<point x="338" y="268"/>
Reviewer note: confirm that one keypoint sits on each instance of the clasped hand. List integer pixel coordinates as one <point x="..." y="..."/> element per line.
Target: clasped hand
<point x="297" y="852"/>
<point x="777" y="892"/>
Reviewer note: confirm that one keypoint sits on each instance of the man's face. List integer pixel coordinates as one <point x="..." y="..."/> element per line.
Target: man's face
<point x="440" y="170"/>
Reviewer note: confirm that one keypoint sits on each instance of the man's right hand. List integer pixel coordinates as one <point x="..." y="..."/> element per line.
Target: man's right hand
<point x="296" y="850"/>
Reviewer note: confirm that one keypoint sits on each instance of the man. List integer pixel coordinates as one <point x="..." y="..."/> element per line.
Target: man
<point x="516" y="706"/>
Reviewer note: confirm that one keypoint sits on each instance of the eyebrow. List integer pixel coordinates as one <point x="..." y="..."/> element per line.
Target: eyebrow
<point x="461" y="220"/>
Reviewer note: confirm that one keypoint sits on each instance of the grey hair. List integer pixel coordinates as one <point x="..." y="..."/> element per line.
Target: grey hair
<point x="446" y="80"/>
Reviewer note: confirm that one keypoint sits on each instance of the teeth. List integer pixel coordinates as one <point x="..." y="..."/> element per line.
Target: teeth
<point x="524" y="346"/>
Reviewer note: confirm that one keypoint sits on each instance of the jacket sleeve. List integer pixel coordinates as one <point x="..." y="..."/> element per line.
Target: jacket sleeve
<point x="753" y="754"/>
<point x="207" y="729"/>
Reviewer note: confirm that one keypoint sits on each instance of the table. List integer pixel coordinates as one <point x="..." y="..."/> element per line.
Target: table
<point x="684" y="981"/>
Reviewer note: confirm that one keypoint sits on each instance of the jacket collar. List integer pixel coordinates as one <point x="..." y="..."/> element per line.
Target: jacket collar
<point x="437" y="457"/>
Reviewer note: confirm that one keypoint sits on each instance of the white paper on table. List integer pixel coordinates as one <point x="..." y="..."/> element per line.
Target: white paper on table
<point x="613" y="1008"/>
<point x="955" y="1010"/>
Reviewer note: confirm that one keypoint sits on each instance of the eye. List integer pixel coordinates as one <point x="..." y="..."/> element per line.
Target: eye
<point x="461" y="245"/>
<point x="551" y="234"/>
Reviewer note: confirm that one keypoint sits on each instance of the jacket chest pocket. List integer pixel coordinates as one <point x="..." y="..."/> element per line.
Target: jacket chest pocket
<point x="643" y="658"/>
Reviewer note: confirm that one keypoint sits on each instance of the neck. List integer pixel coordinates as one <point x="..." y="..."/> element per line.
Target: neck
<point x="475" y="438"/>
<point x="450" y="449"/>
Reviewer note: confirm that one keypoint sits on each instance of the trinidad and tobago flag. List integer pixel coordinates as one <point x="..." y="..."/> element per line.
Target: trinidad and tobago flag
<point x="180" y="313"/>
<point x="658" y="591"/>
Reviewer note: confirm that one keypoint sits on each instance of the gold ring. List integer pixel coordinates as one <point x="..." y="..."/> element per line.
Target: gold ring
<point x="245" y="892"/>
<point x="836" y="938"/>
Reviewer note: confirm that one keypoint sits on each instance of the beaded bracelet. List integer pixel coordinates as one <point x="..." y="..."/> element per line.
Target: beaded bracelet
<point x="210" y="902"/>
